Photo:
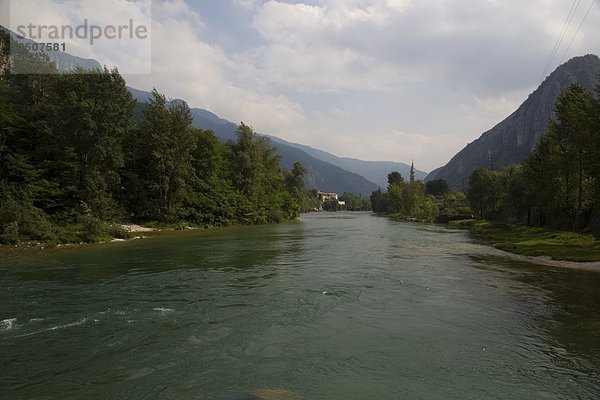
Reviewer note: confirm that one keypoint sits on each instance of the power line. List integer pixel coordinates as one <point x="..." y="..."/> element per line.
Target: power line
<point x="561" y="36"/>
<point x="578" y="29"/>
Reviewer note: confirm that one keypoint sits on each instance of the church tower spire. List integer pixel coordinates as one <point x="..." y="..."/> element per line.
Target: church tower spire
<point x="413" y="176"/>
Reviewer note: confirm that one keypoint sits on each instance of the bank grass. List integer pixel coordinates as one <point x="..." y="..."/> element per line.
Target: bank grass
<point x="535" y="241"/>
<point x="66" y="234"/>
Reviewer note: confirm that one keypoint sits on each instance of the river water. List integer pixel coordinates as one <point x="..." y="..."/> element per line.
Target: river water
<point x="335" y="306"/>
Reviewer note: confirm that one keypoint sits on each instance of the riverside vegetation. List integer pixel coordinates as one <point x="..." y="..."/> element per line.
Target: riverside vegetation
<point x="550" y="204"/>
<point x="547" y="206"/>
<point x="418" y="200"/>
<point x="74" y="162"/>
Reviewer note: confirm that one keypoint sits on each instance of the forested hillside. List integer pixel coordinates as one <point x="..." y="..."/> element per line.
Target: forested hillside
<point x="320" y="174"/>
<point x="74" y="162"/>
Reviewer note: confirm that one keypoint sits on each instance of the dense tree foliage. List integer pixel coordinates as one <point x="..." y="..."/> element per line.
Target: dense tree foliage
<point x="294" y="184"/>
<point x="438" y="187"/>
<point x="559" y="184"/>
<point x="73" y="164"/>
<point x="356" y="203"/>
<point x="404" y="199"/>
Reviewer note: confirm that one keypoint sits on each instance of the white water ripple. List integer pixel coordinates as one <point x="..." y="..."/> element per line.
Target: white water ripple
<point x="57" y="327"/>
<point x="7" y="324"/>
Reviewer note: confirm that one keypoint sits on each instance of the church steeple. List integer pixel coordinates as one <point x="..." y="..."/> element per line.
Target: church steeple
<point x="413" y="176"/>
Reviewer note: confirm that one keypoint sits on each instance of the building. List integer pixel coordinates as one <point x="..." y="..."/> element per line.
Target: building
<point x="327" y="196"/>
<point x="330" y="196"/>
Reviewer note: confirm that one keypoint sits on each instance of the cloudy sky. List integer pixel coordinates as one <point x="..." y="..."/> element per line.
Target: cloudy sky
<point x="373" y="79"/>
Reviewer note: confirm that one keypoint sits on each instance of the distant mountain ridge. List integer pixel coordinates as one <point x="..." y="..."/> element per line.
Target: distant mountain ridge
<point x="325" y="171"/>
<point x="515" y="137"/>
<point x="320" y="174"/>
<point x="374" y="171"/>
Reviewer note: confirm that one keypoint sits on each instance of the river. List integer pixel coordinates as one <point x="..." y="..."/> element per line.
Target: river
<point x="334" y="306"/>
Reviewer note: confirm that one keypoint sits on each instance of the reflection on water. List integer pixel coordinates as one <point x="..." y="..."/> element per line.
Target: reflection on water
<point x="337" y="306"/>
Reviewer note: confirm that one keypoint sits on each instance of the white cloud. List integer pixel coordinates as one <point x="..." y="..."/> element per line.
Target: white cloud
<point x="436" y="74"/>
<point x="247" y="4"/>
<point x="184" y="66"/>
<point x="489" y="46"/>
<point x="313" y="48"/>
<point x="54" y="21"/>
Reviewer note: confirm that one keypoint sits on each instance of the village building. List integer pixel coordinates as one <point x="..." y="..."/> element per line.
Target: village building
<point x="330" y="196"/>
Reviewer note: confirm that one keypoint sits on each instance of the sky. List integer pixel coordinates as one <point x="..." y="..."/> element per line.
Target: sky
<point x="395" y="80"/>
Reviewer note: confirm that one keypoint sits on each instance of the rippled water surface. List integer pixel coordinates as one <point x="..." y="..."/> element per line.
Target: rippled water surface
<point x="336" y="306"/>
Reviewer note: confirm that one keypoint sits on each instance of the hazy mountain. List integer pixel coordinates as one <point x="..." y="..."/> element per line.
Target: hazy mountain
<point x="65" y="62"/>
<point x="321" y="175"/>
<point x="374" y="171"/>
<point x="512" y="140"/>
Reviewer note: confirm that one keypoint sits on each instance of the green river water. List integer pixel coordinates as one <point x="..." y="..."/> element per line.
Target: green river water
<point x="335" y="306"/>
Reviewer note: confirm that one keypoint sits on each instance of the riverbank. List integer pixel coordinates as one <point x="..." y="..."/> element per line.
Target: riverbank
<point x="546" y="246"/>
<point x="78" y="235"/>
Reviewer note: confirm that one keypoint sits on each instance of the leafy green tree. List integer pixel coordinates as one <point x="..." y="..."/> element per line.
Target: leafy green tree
<point x="92" y="118"/>
<point x="515" y="197"/>
<point x="162" y="160"/>
<point x="484" y="192"/>
<point x="572" y="130"/>
<point x="23" y="115"/>
<point x="453" y="203"/>
<point x="331" y="205"/>
<point x="438" y="187"/>
<point x="77" y="153"/>
<point x="356" y="203"/>
<point x="404" y="199"/>
<point x="294" y="180"/>
<point x="212" y="202"/>
<point x="394" y="178"/>
<point x="294" y="184"/>
<point x="256" y="173"/>
<point x="255" y="165"/>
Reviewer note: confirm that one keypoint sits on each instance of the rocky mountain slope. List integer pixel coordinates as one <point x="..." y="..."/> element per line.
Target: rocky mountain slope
<point x="512" y="140"/>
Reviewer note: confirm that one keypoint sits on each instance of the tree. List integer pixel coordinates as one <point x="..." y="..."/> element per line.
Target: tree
<point x="256" y="173"/>
<point x="294" y="180"/>
<point x="356" y="203"/>
<point x="162" y="160"/>
<point x="378" y="201"/>
<point x="77" y="154"/>
<point x="404" y="199"/>
<point x="212" y="200"/>
<point x="483" y="193"/>
<point x="92" y="118"/>
<point x="256" y="170"/>
<point x="437" y="187"/>
<point x="572" y="130"/>
<point x="394" y="178"/>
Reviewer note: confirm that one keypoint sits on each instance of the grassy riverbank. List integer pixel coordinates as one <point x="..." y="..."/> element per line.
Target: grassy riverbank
<point x="535" y="242"/>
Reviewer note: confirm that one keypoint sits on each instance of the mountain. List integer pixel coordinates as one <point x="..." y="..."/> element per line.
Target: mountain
<point x="65" y="62"/>
<point x="374" y="171"/>
<point x="320" y="174"/>
<point x="513" y="139"/>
